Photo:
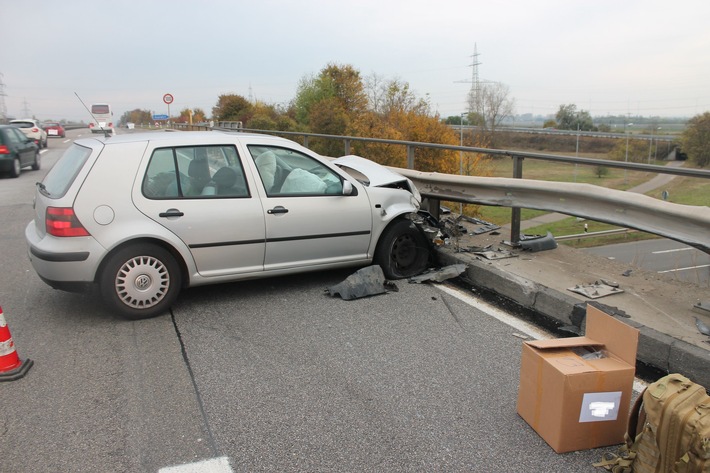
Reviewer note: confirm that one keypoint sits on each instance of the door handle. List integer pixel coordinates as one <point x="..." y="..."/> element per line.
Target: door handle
<point x="277" y="210"/>
<point x="171" y="213"/>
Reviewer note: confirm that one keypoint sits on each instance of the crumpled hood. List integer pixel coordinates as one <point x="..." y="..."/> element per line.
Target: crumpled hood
<point x="375" y="174"/>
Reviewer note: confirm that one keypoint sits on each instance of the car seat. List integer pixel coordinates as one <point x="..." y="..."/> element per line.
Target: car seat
<point x="222" y="182"/>
<point x="199" y="172"/>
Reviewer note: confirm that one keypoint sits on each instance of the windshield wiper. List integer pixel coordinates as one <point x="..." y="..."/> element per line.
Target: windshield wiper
<point x="42" y="188"/>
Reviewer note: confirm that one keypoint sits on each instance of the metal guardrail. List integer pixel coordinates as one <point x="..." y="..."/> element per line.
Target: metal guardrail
<point x="685" y="223"/>
<point x="579" y="236"/>
<point x="689" y="224"/>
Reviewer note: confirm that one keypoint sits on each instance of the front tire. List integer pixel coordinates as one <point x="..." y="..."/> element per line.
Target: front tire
<point x="16" y="168"/>
<point x="402" y="250"/>
<point x="140" y="281"/>
<point x="36" y="165"/>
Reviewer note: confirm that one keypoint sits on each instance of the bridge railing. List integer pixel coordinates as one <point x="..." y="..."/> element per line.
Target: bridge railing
<point x="686" y="223"/>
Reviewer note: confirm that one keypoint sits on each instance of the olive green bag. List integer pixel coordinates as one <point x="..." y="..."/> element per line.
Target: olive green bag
<point x="668" y="430"/>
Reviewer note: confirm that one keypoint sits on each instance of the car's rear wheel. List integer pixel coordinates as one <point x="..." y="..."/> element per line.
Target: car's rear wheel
<point x="140" y="281"/>
<point x="36" y="164"/>
<point x="16" y="168"/>
<point x="402" y="250"/>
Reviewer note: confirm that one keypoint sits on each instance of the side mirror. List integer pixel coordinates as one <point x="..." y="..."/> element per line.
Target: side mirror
<point x="347" y="188"/>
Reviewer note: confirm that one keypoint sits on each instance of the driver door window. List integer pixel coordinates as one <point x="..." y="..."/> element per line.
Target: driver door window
<point x="286" y="172"/>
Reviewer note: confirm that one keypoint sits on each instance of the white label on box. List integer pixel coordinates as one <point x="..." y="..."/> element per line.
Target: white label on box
<point x="598" y="407"/>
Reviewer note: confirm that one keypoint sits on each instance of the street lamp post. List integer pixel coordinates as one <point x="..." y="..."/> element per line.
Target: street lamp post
<point x="461" y="161"/>
<point x="461" y="151"/>
<point x="576" y="151"/>
<point x="626" y="171"/>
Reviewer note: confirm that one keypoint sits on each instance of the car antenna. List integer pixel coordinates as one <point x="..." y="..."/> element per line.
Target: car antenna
<point x="106" y="133"/>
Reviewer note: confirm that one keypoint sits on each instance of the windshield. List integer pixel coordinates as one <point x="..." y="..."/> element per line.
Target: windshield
<point x="99" y="109"/>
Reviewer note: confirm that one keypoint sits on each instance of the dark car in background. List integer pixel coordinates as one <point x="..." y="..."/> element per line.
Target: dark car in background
<point x="17" y="151"/>
<point x="54" y="129"/>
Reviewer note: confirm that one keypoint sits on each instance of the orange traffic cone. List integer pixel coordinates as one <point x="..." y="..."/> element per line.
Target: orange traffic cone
<point x="11" y="367"/>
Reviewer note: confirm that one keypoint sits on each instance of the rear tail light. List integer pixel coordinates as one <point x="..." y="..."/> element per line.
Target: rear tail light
<point x="91" y="125"/>
<point x="4" y="149"/>
<point x="110" y="125"/>
<point x="62" y="222"/>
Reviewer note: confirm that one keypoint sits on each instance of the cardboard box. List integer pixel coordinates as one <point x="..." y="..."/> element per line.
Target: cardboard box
<point x="573" y="399"/>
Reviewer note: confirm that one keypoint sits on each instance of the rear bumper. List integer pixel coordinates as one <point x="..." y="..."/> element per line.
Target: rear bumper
<point x="63" y="263"/>
<point x="6" y="164"/>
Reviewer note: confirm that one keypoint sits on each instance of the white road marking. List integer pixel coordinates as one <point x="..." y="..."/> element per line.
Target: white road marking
<point x="527" y="328"/>
<point x="684" y="269"/>
<point x="214" y="465"/>
<point x="670" y="251"/>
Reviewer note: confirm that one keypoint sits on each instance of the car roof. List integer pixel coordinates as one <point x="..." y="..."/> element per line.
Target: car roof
<point x="187" y="138"/>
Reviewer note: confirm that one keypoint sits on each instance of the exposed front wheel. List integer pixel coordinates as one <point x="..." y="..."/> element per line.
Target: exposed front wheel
<point x="402" y="250"/>
<point x="36" y="165"/>
<point x="16" y="168"/>
<point x="140" y="281"/>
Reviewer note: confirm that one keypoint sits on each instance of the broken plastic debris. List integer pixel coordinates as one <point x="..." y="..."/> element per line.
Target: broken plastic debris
<point x="702" y="308"/>
<point x="596" y="290"/>
<point x="538" y="242"/>
<point x="493" y="254"/>
<point x="365" y="282"/>
<point x="702" y="326"/>
<point x="440" y="275"/>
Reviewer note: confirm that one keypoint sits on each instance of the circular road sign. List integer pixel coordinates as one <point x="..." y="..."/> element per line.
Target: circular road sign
<point x="168" y="99"/>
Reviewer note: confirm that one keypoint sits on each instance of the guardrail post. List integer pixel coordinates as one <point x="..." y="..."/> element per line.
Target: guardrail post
<point x="410" y="157"/>
<point x="515" y="214"/>
<point x="305" y="141"/>
<point x="347" y="147"/>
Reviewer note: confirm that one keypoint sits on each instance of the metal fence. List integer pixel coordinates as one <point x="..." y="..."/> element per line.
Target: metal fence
<point x="680" y="222"/>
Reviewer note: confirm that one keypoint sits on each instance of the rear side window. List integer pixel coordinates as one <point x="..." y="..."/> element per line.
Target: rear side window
<point x="61" y="176"/>
<point x="195" y="172"/>
<point x="14" y="136"/>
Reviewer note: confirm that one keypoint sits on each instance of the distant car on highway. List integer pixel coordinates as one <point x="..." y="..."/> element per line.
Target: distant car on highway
<point x="144" y="215"/>
<point x="17" y="151"/>
<point x="32" y="129"/>
<point x="54" y="129"/>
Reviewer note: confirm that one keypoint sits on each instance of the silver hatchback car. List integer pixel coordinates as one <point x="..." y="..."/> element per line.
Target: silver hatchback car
<point x="145" y="215"/>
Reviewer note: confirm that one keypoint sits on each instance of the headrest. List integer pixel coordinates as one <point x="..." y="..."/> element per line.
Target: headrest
<point x="225" y="177"/>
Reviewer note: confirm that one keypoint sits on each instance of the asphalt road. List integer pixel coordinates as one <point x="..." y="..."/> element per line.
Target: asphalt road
<point x="270" y="375"/>
<point x="670" y="258"/>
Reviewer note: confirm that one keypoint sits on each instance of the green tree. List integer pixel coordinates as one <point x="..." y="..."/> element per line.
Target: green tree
<point x="137" y="116"/>
<point x="341" y="86"/>
<point x="231" y="107"/>
<point x="695" y="140"/>
<point x="568" y="118"/>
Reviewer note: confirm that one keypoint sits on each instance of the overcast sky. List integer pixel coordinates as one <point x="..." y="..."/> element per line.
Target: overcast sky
<point x="645" y="57"/>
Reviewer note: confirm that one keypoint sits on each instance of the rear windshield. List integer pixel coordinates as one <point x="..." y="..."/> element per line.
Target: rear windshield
<point x="61" y="176"/>
<point x="101" y="109"/>
<point x="23" y="124"/>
